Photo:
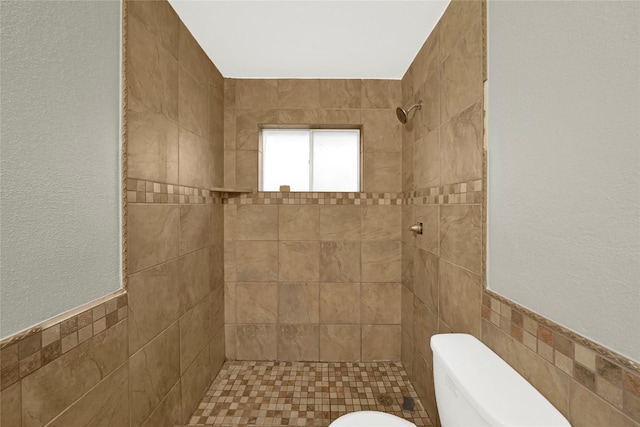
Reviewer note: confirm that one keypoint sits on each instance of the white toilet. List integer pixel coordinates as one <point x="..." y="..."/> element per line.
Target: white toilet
<point x="475" y="387"/>
<point x="370" y="419"/>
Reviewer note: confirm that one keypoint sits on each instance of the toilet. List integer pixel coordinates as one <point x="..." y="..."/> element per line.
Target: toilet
<point x="475" y="387"/>
<point x="370" y="419"/>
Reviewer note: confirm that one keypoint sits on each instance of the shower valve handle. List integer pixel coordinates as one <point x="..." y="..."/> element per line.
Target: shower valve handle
<point x="417" y="228"/>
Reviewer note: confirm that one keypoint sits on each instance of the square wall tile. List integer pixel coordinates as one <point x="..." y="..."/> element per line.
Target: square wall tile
<point x="256" y="261"/>
<point x="340" y="303"/>
<point x="380" y="303"/>
<point x="381" y="342"/>
<point x="299" y="261"/>
<point x="298" y="342"/>
<point x="299" y="303"/>
<point x="340" y="343"/>
<point x="381" y="261"/>
<point x="257" y="303"/>
<point x="257" y="222"/>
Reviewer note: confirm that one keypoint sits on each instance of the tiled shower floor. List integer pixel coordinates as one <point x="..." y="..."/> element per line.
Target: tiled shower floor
<point x="304" y="393"/>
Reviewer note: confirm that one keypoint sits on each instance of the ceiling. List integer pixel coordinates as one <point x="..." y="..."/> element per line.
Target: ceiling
<point x="311" y="39"/>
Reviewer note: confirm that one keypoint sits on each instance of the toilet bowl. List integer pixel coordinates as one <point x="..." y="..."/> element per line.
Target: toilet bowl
<point x="475" y="388"/>
<point x="370" y="419"/>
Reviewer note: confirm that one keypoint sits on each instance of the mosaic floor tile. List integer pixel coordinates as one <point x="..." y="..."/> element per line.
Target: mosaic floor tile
<point x="304" y="393"/>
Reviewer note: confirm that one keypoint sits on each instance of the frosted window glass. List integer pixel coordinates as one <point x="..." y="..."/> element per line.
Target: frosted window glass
<point x="336" y="155"/>
<point x="285" y="159"/>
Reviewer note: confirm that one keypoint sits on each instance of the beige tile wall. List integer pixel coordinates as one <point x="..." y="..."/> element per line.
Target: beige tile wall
<point x="151" y="363"/>
<point x="442" y="270"/>
<point x="307" y="280"/>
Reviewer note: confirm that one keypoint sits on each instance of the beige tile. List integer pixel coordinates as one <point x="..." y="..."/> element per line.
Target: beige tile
<point x="585" y="357"/>
<point x="407" y="84"/>
<point x="340" y="343"/>
<point x="381" y="261"/>
<point x="339" y="117"/>
<point x="152" y="235"/>
<point x="605" y="389"/>
<point x="381" y="94"/>
<point x="381" y="222"/>
<point x="340" y="261"/>
<point x="230" y="168"/>
<point x="407" y="312"/>
<point x="247" y="169"/>
<point x="217" y="350"/>
<point x="407" y="161"/>
<point x="229" y="129"/>
<point x="194" y="333"/>
<point x="340" y="303"/>
<point x="11" y="406"/>
<point x="195" y="223"/>
<point x="459" y="18"/>
<point x="231" y="341"/>
<point x="256" y="93"/>
<point x="193" y="105"/>
<point x="229" y="93"/>
<point x="406" y="264"/>
<point x="306" y="117"/>
<point x="425" y="278"/>
<point x="230" y="261"/>
<point x="159" y="19"/>
<point x="299" y="303"/>
<point x="461" y="75"/>
<point x="382" y="172"/>
<point x="426" y="62"/>
<point x="194" y="383"/>
<point x="426" y="161"/>
<point x="298" y="93"/>
<point x="298" y="342"/>
<point x="52" y="388"/>
<point x="381" y="131"/>
<point x="380" y="342"/>
<point x="340" y="93"/>
<point x="587" y="409"/>
<point x="216" y="311"/>
<point x="340" y="222"/>
<point x="428" y="117"/>
<point x="299" y="261"/>
<point x="257" y="222"/>
<point x="105" y="405"/>
<point x="257" y="303"/>
<point x="425" y="325"/>
<point x="194" y="278"/>
<point x="461" y="147"/>
<point x="152" y="71"/>
<point x="257" y="342"/>
<point x="194" y="160"/>
<point x="167" y="413"/>
<point x="256" y="261"/>
<point x="154" y="370"/>
<point x="429" y="240"/>
<point x="248" y="124"/>
<point x="380" y="304"/>
<point x="192" y="57"/>
<point x="230" y="299"/>
<point x="298" y="222"/>
<point x="461" y="235"/>
<point x="460" y="298"/>
<point x="152" y="144"/>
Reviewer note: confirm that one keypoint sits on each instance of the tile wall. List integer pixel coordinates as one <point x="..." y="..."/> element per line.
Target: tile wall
<point x="443" y="270"/>
<point x="313" y="276"/>
<point x="145" y="358"/>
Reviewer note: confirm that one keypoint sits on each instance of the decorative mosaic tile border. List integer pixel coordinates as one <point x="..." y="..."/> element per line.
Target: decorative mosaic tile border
<point x="139" y="191"/>
<point x="303" y="198"/>
<point x="460" y="193"/>
<point x="611" y="376"/>
<point x="24" y="353"/>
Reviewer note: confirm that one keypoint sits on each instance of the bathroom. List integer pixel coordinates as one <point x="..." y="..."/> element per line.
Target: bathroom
<point x="233" y="275"/>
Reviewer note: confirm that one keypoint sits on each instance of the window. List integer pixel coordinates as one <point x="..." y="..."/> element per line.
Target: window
<point x="311" y="159"/>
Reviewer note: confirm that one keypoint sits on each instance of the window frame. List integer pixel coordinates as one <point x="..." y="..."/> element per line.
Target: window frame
<point x="311" y="129"/>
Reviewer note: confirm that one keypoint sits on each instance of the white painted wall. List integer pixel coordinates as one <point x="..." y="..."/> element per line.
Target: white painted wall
<point x="59" y="157"/>
<point x="564" y="164"/>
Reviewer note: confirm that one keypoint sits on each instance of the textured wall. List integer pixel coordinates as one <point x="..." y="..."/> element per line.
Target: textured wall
<point x="565" y="127"/>
<point x="60" y="202"/>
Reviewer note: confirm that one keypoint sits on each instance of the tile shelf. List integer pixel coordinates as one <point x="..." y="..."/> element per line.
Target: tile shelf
<point x="230" y="190"/>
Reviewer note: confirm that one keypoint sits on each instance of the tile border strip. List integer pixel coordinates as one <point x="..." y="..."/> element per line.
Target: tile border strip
<point x="124" y="143"/>
<point x="26" y="352"/>
<point x="610" y="375"/>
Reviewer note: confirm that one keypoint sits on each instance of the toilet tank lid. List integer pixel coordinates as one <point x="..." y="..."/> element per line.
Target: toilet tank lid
<point x="493" y="387"/>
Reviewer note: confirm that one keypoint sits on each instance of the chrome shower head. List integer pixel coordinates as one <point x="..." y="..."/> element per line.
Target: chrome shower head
<point x="403" y="115"/>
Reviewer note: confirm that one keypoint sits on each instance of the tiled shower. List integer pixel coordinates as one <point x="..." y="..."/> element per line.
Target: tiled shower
<point x="291" y="277"/>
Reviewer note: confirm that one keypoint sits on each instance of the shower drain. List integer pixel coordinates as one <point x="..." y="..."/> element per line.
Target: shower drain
<point x="385" y="400"/>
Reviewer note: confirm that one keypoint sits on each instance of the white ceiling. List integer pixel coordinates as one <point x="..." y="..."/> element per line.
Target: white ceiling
<point x="311" y="39"/>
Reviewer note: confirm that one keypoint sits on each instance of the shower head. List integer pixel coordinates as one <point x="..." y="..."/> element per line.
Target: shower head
<point x="403" y="115"/>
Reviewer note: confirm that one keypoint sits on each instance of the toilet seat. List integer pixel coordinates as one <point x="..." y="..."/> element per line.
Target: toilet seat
<point x="370" y="419"/>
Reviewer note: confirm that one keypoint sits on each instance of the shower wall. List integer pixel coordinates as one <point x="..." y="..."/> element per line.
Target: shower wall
<point x="145" y="357"/>
<point x="313" y="276"/>
<point x="442" y="159"/>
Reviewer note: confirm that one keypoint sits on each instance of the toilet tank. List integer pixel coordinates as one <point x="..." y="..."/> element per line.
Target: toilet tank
<point x="475" y="387"/>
